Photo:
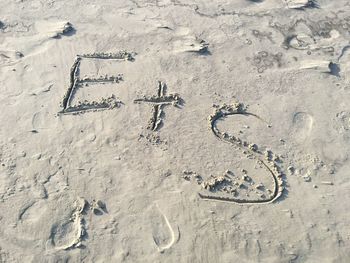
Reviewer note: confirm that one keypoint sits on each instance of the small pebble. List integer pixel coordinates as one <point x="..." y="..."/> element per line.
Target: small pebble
<point x="307" y="178"/>
<point x="37" y="156"/>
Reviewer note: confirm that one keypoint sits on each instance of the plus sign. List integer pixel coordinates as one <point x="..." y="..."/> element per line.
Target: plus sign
<point x="158" y="103"/>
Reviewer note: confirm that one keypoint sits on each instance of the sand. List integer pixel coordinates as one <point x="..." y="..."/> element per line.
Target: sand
<point x="175" y="131"/>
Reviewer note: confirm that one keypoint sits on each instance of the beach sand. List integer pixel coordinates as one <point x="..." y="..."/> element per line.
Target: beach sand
<point x="174" y="131"/>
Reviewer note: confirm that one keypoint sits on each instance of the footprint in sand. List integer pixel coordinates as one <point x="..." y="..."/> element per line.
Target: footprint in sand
<point x="301" y="126"/>
<point x="39" y="120"/>
<point x="69" y="232"/>
<point x="64" y="234"/>
<point x="164" y="235"/>
<point x="28" y="227"/>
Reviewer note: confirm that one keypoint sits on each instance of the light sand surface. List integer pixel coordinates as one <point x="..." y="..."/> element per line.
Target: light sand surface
<point x="175" y="131"/>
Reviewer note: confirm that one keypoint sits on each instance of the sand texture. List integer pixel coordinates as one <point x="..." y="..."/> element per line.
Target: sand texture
<point x="175" y="131"/>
